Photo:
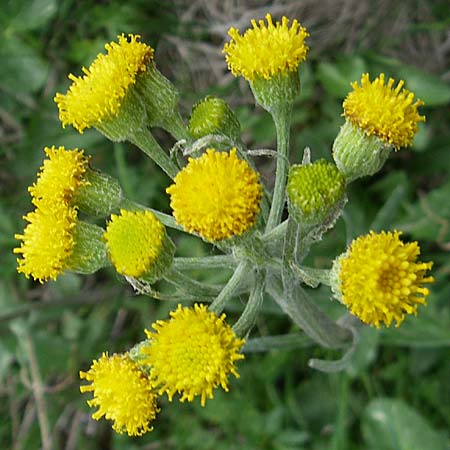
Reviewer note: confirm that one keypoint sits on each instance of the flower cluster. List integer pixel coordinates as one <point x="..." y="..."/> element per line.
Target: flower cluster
<point x="191" y="353"/>
<point x="218" y="195"/>
<point x="54" y="215"/>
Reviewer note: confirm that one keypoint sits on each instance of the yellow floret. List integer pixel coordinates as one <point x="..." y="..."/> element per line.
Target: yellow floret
<point x="47" y="241"/>
<point x="384" y="111"/>
<point x="135" y="241"/>
<point x="61" y="174"/>
<point x="379" y="279"/>
<point x="122" y="393"/>
<point x="98" y="94"/>
<point x="266" y="50"/>
<point x="192" y="353"/>
<point x="216" y="195"/>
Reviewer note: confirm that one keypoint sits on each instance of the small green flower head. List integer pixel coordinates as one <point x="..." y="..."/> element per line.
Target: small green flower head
<point x="138" y="245"/>
<point x="212" y="115"/>
<point x="314" y="191"/>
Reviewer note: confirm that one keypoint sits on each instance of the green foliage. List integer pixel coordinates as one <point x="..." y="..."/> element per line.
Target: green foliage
<point x="392" y="395"/>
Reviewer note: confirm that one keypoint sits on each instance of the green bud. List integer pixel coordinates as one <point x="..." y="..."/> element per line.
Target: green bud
<point x="356" y="154"/>
<point x="212" y="115"/>
<point x="316" y="192"/>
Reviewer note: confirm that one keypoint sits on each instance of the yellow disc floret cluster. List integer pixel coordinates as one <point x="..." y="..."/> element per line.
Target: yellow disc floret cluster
<point x="191" y="353"/>
<point x="216" y="195"/>
<point x="47" y="241"/>
<point x="122" y="393"/>
<point x="266" y="50"/>
<point x="59" y="177"/>
<point x="380" y="279"/>
<point x="381" y="110"/>
<point x="134" y="241"/>
<point x="98" y="94"/>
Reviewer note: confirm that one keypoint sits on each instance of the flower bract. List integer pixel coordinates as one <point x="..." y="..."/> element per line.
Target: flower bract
<point x="266" y="50"/>
<point x="191" y="353"/>
<point x="216" y="195"/>
<point x="382" y="110"/>
<point x="380" y="279"/>
<point x="122" y="393"/>
<point x="98" y="94"/>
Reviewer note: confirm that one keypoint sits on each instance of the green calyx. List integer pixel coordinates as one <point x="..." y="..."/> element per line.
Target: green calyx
<point x="130" y="118"/>
<point x="356" y="154"/>
<point x="160" y="98"/>
<point x="212" y="115"/>
<point x="89" y="252"/>
<point x="100" y="196"/>
<point x="314" y="190"/>
<point x="277" y="92"/>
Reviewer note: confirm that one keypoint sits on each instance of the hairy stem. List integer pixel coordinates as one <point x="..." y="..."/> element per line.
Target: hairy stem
<point x="282" y="119"/>
<point x="147" y="143"/>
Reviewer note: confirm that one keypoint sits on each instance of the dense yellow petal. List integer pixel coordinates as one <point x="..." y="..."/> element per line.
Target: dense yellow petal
<point x="266" y="50"/>
<point x="47" y="241"/>
<point x="216" y="195"/>
<point x="122" y="393"/>
<point x="192" y="353"/>
<point x="380" y="279"/>
<point x="98" y="94"/>
<point x="384" y="111"/>
<point x="60" y="175"/>
<point x="134" y="241"/>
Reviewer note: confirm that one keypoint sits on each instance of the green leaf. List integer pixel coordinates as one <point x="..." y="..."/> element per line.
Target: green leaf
<point x="425" y="330"/>
<point x="366" y="351"/>
<point x="336" y="77"/>
<point x="426" y="86"/>
<point x="22" y="70"/>
<point x="393" y="425"/>
<point x="32" y="14"/>
<point x="428" y="218"/>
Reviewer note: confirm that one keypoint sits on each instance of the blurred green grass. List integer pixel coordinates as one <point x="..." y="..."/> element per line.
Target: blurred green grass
<point x="395" y="394"/>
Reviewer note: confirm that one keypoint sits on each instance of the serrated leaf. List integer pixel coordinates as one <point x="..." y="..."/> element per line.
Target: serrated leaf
<point x="393" y="425"/>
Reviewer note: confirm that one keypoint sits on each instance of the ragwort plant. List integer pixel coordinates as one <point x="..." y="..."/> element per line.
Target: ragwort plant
<point x="217" y="195"/>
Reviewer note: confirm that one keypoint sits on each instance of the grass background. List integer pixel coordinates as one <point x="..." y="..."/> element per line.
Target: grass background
<point x="395" y="395"/>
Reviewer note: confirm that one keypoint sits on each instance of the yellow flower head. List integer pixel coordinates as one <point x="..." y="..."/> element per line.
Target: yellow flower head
<point x="216" y="195"/>
<point x="135" y="241"/>
<point x="47" y="241"/>
<point x="98" y="94"/>
<point x="122" y="393"/>
<point x="384" y="111"/>
<point x="266" y="50"/>
<point x="191" y="353"/>
<point x="60" y="176"/>
<point x="379" y="279"/>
